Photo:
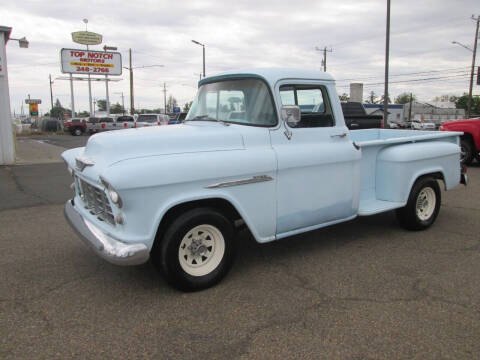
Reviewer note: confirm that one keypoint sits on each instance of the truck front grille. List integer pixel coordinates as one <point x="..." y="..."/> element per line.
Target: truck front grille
<point x="96" y="201"/>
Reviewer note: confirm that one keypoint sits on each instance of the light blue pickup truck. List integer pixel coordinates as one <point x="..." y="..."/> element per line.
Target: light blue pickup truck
<point x="263" y="148"/>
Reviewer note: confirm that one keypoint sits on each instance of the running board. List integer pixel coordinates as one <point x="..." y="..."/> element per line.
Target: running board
<point x="374" y="206"/>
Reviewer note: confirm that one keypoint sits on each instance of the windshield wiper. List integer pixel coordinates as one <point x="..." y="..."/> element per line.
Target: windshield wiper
<point x="207" y="118"/>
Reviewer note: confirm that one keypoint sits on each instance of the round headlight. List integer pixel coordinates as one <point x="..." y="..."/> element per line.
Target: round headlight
<point x="113" y="195"/>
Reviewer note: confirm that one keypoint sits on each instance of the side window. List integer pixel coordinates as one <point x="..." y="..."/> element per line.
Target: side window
<point x="313" y="103"/>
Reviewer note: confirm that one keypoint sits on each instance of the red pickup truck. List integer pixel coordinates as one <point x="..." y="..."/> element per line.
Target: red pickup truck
<point x="470" y="140"/>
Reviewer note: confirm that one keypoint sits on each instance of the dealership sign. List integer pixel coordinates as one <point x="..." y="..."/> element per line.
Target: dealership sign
<point x="75" y="61"/>
<point x="86" y="38"/>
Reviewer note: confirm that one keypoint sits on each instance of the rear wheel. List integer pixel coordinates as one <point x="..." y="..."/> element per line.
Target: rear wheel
<point x="77" y="132"/>
<point x="423" y="205"/>
<point x="197" y="249"/>
<point x="466" y="152"/>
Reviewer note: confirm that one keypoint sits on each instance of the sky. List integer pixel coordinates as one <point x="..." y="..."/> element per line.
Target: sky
<point x="242" y="34"/>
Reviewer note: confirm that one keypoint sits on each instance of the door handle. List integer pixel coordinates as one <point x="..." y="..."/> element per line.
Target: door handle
<point x="339" y="135"/>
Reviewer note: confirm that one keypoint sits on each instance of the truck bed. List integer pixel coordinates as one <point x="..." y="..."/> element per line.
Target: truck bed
<point x="390" y="158"/>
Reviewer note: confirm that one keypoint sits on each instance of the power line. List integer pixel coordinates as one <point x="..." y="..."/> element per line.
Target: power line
<point x="451" y="70"/>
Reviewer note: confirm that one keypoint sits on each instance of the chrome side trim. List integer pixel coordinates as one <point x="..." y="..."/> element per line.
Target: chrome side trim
<point x="252" y="180"/>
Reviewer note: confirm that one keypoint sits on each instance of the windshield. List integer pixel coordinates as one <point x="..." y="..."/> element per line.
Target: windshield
<point x="147" y="118"/>
<point x="246" y="101"/>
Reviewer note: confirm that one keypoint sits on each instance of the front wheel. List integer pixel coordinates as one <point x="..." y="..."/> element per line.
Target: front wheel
<point x="423" y="205"/>
<point x="197" y="249"/>
<point x="466" y="152"/>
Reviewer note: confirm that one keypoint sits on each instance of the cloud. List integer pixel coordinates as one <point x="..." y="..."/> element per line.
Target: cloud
<point x="241" y="34"/>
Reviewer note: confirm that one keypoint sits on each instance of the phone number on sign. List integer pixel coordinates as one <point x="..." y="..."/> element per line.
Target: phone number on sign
<point x="94" y="70"/>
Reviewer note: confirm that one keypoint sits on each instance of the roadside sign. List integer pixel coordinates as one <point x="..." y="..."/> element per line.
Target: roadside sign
<point x="33" y="101"/>
<point x="176" y="110"/>
<point x="76" y="61"/>
<point x="33" y="109"/>
<point x="86" y="38"/>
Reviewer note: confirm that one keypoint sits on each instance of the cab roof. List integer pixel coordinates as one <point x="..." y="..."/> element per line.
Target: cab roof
<point x="270" y="75"/>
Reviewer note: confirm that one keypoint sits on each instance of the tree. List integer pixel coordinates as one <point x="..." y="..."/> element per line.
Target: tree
<point x="102" y="105"/>
<point x="462" y="103"/>
<point x="171" y="103"/>
<point x="372" y="98"/>
<point x="117" y="109"/>
<point x="83" y="114"/>
<point x="381" y="100"/>
<point x="344" y="97"/>
<point x="404" y="98"/>
<point x="58" y="110"/>
<point x="187" y="106"/>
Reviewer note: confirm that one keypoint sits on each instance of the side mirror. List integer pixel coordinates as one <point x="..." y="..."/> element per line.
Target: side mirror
<point x="291" y="115"/>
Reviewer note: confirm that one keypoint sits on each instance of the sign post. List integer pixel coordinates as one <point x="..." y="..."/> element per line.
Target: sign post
<point x="7" y="148"/>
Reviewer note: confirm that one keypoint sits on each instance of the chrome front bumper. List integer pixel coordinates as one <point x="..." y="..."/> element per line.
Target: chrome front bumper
<point x="105" y="246"/>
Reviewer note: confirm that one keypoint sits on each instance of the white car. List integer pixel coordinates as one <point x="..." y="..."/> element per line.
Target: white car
<point x="419" y="125"/>
<point x="152" y="120"/>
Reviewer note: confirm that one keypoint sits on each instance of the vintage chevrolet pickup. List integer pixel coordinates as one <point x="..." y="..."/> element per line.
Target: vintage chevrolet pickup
<point x="264" y="148"/>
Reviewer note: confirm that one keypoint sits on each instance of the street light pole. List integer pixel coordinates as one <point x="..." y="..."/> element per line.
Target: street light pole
<point x="51" y="96"/>
<point x="387" y="54"/>
<point x="469" y="105"/>
<point x="203" y="46"/>
<point x="132" y="108"/>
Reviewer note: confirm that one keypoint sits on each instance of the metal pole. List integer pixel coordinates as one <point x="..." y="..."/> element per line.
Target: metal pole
<point x="132" y="108"/>
<point x="469" y="104"/>
<point x="108" y="98"/>
<point x="203" y="60"/>
<point x="89" y="93"/>
<point x="165" y="97"/>
<point x="51" y="95"/>
<point x="123" y="105"/>
<point x="410" y="109"/>
<point x="72" y="97"/>
<point x="387" y="51"/>
<point x="325" y="59"/>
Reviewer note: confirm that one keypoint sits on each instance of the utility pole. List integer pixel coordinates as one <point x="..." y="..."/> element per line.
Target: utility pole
<point x="123" y="102"/>
<point x="324" y="60"/>
<point x="469" y="104"/>
<point x="51" y="95"/>
<point x="165" y="98"/>
<point x="132" y="107"/>
<point x="410" y="109"/>
<point x="387" y="54"/>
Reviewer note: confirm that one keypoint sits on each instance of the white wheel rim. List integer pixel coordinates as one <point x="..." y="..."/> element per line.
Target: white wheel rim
<point x="426" y="202"/>
<point x="201" y="250"/>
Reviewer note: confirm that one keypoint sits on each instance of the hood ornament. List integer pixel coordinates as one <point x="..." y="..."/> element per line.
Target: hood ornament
<point x="82" y="162"/>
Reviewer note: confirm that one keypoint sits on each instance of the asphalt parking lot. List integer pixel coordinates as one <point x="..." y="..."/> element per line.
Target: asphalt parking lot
<point x="365" y="289"/>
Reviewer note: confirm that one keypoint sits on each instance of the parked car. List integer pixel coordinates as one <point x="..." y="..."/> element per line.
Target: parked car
<point x="125" y="121"/>
<point x="76" y="126"/>
<point x="176" y="194"/>
<point x="178" y="119"/>
<point x="152" y="120"/>
<point x="422" y="125"/>
<point x="469" y="141"/>
<point x="102" y="123"/>
<point x="357" y="118"/>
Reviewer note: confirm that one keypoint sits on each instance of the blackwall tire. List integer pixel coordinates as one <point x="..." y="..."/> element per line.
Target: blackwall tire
<point x="197" y="250"/>
<point x="466" y="152"/>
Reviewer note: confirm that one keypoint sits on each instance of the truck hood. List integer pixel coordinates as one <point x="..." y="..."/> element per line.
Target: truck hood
<point x="461" y="122"/>
<point x="113" y="146"/>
